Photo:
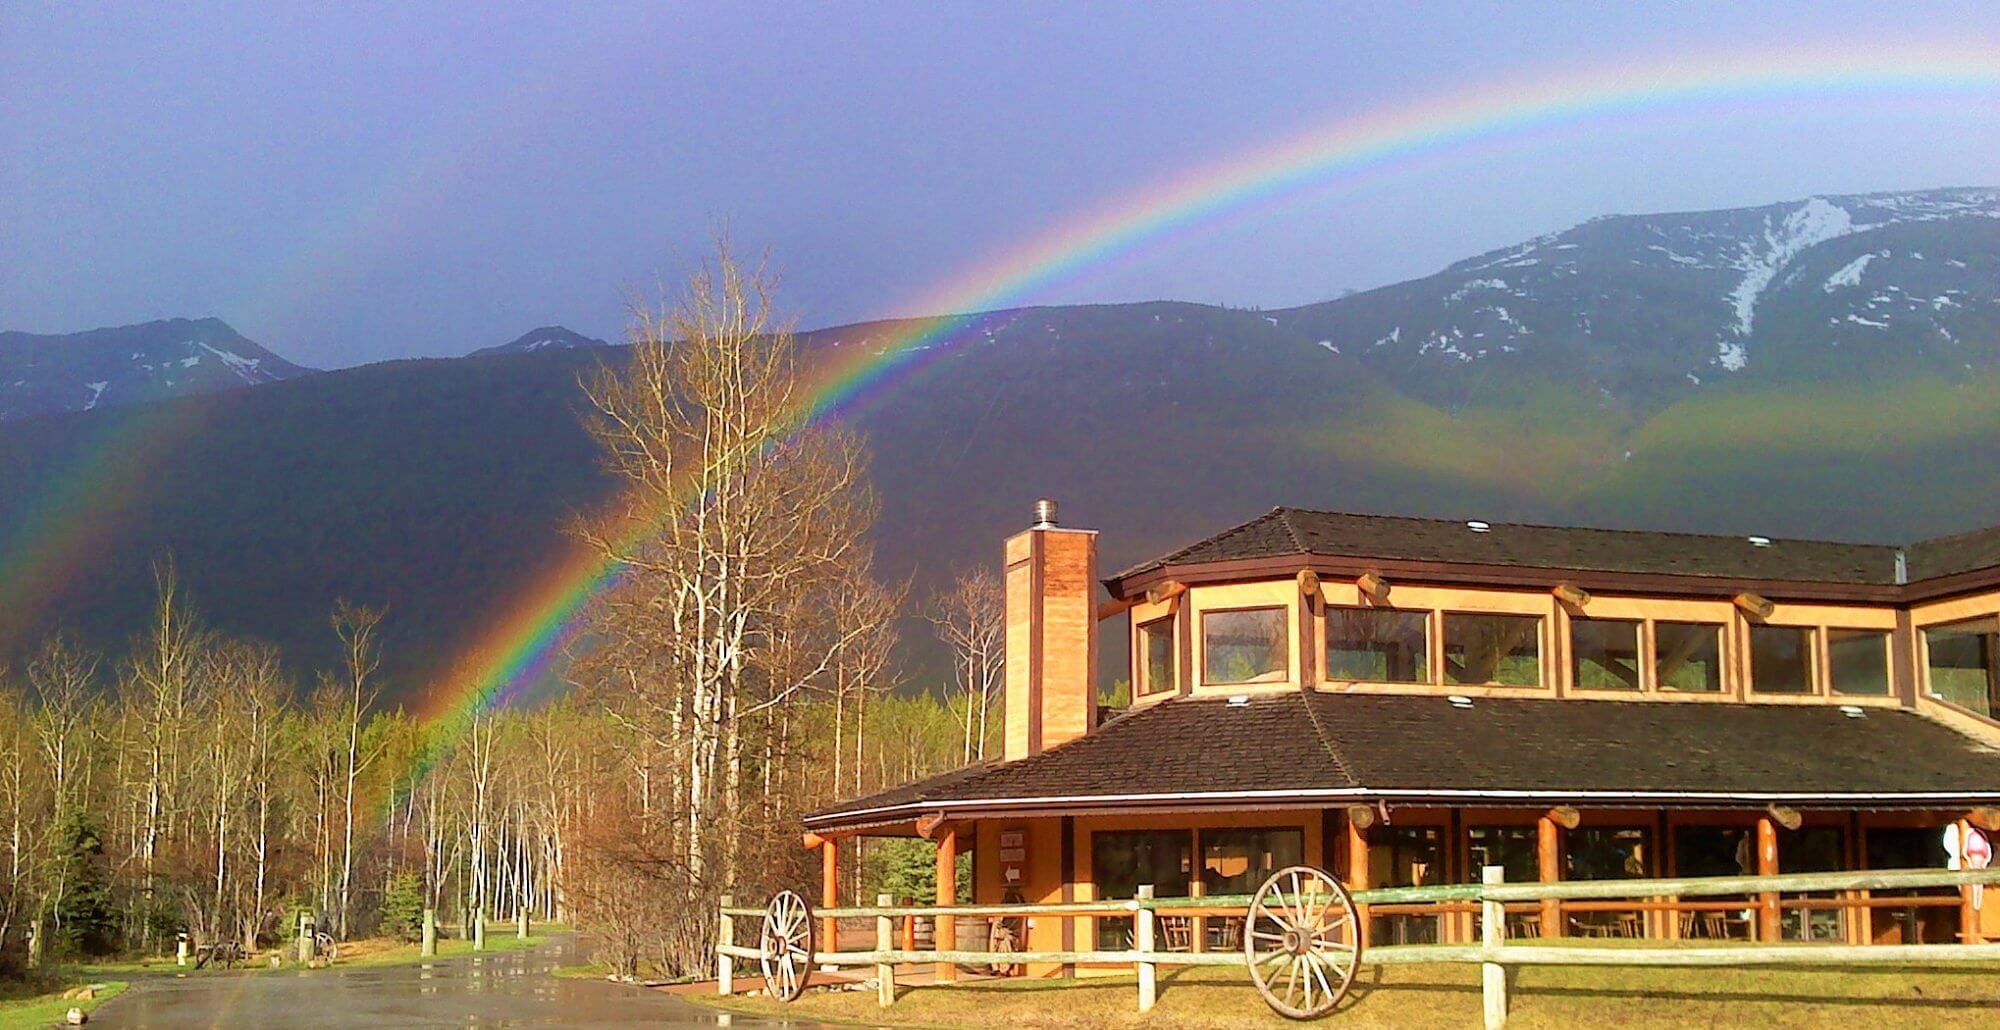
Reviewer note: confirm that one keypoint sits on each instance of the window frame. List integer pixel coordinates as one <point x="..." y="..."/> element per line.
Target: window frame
<point x="1888" y="637"/>
<point x="1141" y="675"/>
<point x="1815" y="680"/>
<point x="1432" y="640"/>
<point x="1642" y="639"/>
<point x="1724" y="662"/>
<point x="1992" y="668"/>
<point x="1288" y="623"/>
<point x="1543" y="681"/>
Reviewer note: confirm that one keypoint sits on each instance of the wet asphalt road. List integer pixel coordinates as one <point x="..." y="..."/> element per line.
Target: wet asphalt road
<point x="511" y="989"/>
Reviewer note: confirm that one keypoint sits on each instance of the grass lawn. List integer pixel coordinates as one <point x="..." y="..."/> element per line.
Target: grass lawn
<point x="39" y="1003"/>
<point x="1446" y="996"/>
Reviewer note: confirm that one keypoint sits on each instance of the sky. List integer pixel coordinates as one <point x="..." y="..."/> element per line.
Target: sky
<point x="347" y="183"/>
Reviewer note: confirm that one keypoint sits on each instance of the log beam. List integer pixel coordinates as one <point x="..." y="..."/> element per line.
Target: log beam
<point x="1785" y="816"/>
<point x="1753" y="605"/>
<point x="1165" y="592"/>
<point x="1575" y="597"/>
<point x="1566" y="816"/>
<point x="1373" y="586"/>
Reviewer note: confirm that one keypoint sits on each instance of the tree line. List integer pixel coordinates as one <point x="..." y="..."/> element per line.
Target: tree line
<point x="737" y="674"/>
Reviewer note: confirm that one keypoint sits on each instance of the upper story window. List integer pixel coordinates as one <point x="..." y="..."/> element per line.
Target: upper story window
<point x="1249" y="645"/>
<point x="1960" y="659"/>
<point x="1156" y="656"/>
<point x="1781" y="659"/>
<point x="1857" y="661"/>
<point x="1687" y="656"/>
<point x="1500" y="650"/>
<point x="1604" y="653"/>
<point x="1378" y="645"/>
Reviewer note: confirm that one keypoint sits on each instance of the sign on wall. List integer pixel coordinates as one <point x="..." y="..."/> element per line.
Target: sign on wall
<point x="1013" y="857"/>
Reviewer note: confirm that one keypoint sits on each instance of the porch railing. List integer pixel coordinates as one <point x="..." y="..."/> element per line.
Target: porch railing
<point x="1490" y="897"/>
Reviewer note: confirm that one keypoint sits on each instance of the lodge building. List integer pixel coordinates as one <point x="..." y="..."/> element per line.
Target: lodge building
<point x="1403" y="701"/>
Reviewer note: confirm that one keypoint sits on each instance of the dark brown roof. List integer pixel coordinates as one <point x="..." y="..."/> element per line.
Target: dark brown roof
<point x="1327" y="748"/>
<point x="1298" y="531"/>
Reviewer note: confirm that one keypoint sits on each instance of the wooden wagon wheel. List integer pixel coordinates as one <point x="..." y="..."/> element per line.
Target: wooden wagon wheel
<point x="1302" y="941"/>
<point x="785" y="952"/>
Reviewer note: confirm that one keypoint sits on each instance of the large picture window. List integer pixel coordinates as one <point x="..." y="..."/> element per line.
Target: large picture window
<point x="1239" y="861"/>
<point x="1857" y="661"/>
<point x="1781" y="659"/>
<point x="1378" y="645"/>
<point x="1688" y="656"/>
<point x="1156" y="656"/>
<point x="1122" y="860"/>
<point x="1246" y="646"/>
<point x="1960" y="658"/>
<point x="1604" y="654"/>
<point x="1502" y="650"/>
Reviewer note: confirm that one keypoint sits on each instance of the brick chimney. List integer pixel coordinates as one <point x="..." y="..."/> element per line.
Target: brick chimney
<point x="1051" y="635"/>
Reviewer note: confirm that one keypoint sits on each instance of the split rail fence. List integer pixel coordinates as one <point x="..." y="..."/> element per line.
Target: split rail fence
<point x="1493" y="953"/>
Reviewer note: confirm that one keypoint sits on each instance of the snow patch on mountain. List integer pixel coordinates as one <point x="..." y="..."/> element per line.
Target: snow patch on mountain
<point x="1850" y="273"/>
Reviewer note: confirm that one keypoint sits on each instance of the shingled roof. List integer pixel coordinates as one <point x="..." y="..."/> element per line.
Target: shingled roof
<point x="1286" y="532"/>
<point x="1324" y="748"/>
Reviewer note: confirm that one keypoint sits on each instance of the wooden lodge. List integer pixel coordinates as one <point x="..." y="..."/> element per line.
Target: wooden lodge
<point x="1404" y="701"/>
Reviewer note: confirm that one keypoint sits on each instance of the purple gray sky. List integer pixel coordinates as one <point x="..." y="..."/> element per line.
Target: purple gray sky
<point x="353" y="182"/>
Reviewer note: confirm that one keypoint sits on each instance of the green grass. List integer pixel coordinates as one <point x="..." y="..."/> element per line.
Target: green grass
<point x="1445" y="996"/>
<point x="353" y="954"/>
<point x="46" y="1005"/>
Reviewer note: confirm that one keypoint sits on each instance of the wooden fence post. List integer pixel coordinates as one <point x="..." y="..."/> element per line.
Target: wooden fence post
<point x="181" y="949"/>
<point x="1142" y="941"/>
<point x="725" y="936"/>
<point x="305" y="938"/>
<point x="479" y="929"/>
<point x="885" y="942"/>
<point x="1492" y="934"/>
<point x="430" y="944"/>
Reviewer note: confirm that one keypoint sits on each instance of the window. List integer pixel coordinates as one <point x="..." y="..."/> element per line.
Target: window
<point x="1513" y="848"/>
<point x="1688" y="656"/>
<point x="1607" y="853"/>
<point x="1378" y="645"/>
<point x="1121" y="861"/>
<point x="1781" y="660"/>
<point x="1604" y="654"/>
<point x="1156" y="656"/>
<point x="1714" y="851"/>
<point x="1505" y="650"/>
<point x="1812" y="849"/>
<point x="1239" y="861"/>
<point x="1961" y="663"/>
<point x="1245" y="646"/>
<point x="1405" y="856"/>
<point x="1857" y="661"/>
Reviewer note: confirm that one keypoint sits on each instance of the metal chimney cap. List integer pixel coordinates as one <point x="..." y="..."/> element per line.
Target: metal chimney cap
<point x="1045" y="514"/>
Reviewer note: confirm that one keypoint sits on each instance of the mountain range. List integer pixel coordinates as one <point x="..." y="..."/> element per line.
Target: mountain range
<point x="41" y="373"/>
<point x="1820" y="368"/>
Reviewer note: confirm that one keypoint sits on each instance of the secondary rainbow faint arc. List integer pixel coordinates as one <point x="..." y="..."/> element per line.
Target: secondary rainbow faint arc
<point x="1326" y="156"/>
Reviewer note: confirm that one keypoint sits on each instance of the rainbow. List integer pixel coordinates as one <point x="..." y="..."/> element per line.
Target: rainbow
<point x="1344" y="154"/>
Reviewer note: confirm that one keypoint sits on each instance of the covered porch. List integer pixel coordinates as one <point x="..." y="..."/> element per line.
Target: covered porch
<point x="1199" y="798"/>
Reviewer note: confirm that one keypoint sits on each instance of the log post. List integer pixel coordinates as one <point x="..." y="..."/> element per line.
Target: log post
<point x="479" y="928"/>
<point x="1357" y="873"/>
<point x="1493" y="935"/>
<point x="725" y="936"/>
<point x="305" y="938"/>
<point x="35" y="943"/>
<point x="1968" y="916"/>
<point x="829" y="893"/>
<point x="1548" y="868"/>
<point x="521" y="921"/>
<point x="430" y="944"/>
<point x="885" y="942"/>
<point x="181" y="949"/>
<point x="946" y="933"/>
<point x="1767" y="865"/>
<point x="1142" y="942"/>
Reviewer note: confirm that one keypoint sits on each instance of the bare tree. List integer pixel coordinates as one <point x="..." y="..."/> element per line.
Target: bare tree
<point x="970" y="617"/>
<point x="360" y="656"/>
